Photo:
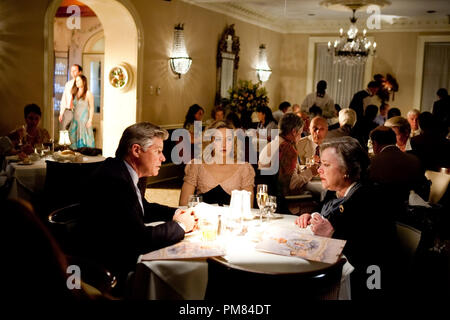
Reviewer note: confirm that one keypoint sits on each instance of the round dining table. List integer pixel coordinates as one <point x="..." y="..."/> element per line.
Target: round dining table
<point x="28" y="179"/>
<point x="188" y="278"/>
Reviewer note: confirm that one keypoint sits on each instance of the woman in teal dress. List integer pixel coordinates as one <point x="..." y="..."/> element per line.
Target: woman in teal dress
<point x="80" y="130"/>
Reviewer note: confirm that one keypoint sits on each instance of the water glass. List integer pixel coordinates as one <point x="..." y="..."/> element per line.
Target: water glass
<point x="271" y="207"/>
<point x="208" y="227"/>
<point x="194" y="200"/>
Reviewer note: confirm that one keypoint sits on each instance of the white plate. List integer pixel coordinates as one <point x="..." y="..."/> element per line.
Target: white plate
<point x="21" y="163"/>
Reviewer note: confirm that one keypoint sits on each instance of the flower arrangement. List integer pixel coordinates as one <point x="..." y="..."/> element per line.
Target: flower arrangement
<point x="388" y="85"/>
<point x="247" y="96"/>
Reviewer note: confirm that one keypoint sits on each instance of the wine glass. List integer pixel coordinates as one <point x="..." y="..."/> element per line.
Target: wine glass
<point x="261" y="197"/>
<point x="194" y="200"/>
<point x="271" y="207"/>
<point x="38" y="148"/>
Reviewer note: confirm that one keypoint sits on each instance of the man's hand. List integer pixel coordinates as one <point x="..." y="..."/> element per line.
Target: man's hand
<point x="187" y="218"/>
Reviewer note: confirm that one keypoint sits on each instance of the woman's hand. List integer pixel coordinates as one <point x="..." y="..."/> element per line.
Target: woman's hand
<point x="303" y="220"/>
<point x="89" y="124"/>
<point x="321" y="226"/>
<point x="60" y="117"/>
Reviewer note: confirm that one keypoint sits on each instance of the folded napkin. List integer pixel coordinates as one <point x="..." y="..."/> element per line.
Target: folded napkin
<point x="416" y="200"/>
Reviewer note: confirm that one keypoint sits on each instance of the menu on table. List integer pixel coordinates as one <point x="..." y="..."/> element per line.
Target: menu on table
<point x="186" y="250"/>
<point x="288" y="242"/>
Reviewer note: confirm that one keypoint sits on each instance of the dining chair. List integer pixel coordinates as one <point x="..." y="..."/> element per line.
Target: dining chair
<point x="284" y="202"/>
<point x="63" y="224"/>
<point x="439" y="185"/>
<point x="98" y="282"/>
<point x="228" y="281"/>
<point x="65" y="181"/>
<point x="408" y="238"/>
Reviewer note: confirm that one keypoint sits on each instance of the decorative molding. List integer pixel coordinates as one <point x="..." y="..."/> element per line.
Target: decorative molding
<point x="242" y="12"/>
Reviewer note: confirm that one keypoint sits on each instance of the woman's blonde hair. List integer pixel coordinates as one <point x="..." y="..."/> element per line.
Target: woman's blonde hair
<point x="208" y="139"/>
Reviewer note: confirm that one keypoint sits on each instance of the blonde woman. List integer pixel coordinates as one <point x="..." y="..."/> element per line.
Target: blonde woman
<point x="219" y="173"/>
<point x="80" y="130"/>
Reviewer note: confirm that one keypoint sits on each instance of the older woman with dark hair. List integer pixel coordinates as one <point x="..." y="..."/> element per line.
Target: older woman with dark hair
<point x="355" y="215"/>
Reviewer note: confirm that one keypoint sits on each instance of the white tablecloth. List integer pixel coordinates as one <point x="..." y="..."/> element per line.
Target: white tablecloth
<point x="30" y="179"/>
<point x="187" y="279"/>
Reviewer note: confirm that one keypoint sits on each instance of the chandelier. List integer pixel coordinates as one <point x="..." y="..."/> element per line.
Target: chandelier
<point x="180" y="62"/>
<point x="263" y="71"/>
<point x="352" y="47"/>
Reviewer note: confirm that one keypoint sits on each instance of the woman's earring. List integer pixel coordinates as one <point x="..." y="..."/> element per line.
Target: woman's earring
<point x="346" y="176"/>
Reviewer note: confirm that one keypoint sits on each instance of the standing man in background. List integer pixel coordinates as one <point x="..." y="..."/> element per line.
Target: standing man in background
<point x="65" y="118"/>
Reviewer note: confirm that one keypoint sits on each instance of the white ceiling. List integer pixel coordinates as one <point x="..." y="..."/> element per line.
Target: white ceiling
<point x="304" y="16"/>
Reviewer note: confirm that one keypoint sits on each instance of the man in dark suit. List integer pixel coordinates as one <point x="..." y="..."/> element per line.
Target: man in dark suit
<point x="441" y="109"/>
<point x="115" y="212"/>
<point x="357" y="102"/>
<point x="398" y="171"/>
<point x="431" y="146"/>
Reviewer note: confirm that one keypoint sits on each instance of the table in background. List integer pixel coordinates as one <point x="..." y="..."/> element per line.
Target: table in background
<point x="187" y="279"/>
<point x="29" y="180"/>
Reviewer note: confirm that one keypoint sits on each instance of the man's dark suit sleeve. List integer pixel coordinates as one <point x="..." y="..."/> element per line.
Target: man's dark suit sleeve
<point x="157" y="212"/>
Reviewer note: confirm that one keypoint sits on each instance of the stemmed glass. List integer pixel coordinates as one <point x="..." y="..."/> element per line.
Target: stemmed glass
<point x="261" y="197"/>
<point x="271" y="207"/>
<point x="38" y="148"/>
<point x="194" y="200"/>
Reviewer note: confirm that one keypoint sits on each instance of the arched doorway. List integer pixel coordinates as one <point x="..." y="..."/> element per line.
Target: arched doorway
<point x="93" y="65"/>
<point x="123" y="44"/>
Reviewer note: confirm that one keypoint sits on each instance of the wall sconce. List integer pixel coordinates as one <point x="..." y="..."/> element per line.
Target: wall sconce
<point x="262" y="70"/>
<point x="179" y="61"/>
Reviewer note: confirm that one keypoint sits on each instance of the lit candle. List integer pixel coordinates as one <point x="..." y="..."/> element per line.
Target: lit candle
<point x="329" y="44"/>
<point x="364" y="32"/>
<point x="374" y="45"/>
<point x="341" y="31"/>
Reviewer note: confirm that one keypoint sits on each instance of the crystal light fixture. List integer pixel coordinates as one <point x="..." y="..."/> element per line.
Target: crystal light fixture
<point x="180" y="62"/>
<point x="352" y="48"/>
<point x="262" y="70"/>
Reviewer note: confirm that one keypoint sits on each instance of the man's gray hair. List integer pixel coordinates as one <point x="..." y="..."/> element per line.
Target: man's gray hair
<point x="141" y="133"/>
<point x="352" y="157"/>
<point x="347" y="117"/>
<point x="288" y="122"/>
<point x="399" y="122"/>
<point x="412" y="112"/>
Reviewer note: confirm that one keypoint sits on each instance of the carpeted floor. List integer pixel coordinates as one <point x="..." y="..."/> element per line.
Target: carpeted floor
<point x="166" y="192"/>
